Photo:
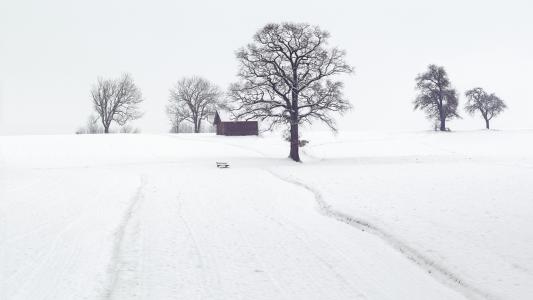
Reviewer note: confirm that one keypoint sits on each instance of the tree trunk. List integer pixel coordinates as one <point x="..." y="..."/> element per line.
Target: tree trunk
<point x="294" y="154"/>
<point x="442" y="124"/>
<point x="487" y="123"/>
<point x="295" y="137"/>
<point x="104" y="124"/>
<point x="195" y="123"/>
<point x="442" y="117"/>
<point x="196" y="129"/>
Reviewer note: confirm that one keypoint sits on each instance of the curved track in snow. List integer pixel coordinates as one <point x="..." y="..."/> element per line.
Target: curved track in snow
<point x="436" y="270"/>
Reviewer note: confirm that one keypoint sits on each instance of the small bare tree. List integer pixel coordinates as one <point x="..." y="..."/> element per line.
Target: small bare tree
<point x="436" y="97"/>
<point x="194" y="100"/>
<point x="91" y="127"/>
<point x="177" y="112"/>
<point x="489" y="105"/>
<point x="285" y="78"/>
<point x="116" y="100"/>
<point x="129" y="129"/>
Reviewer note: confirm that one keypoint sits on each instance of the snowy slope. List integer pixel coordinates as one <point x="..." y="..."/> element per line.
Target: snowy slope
<point x="462" y="201"/>
<point x="151" y="217"/>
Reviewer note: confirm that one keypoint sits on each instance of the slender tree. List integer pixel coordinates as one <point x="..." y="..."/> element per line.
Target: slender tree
<point x="489" y="105"/>
<point x="194" y="99"/>
<point x="91" y="127"/>
<point x="116" y="100"/>
<point x="286" y="79"/>
<point x="436" y="97"/>
<point x="177" y="112"/>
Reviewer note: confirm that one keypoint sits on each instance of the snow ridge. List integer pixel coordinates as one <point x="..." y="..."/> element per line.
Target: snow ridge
<point x="115" y="267"/>
<point x="437" y="271"/>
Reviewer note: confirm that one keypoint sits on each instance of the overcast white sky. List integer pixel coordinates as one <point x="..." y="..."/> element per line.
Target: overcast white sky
<point x="51" y="52"/>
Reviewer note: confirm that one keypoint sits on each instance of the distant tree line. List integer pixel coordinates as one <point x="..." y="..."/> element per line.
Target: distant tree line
<point x="288" y="76"/>
<point x="440" y="101"/>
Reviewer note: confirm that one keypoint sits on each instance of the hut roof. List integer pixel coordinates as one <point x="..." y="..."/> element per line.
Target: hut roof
<point x="221" y="116"/>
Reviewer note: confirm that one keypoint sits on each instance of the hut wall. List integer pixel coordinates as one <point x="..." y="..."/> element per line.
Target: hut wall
<point x="238" y="128"/>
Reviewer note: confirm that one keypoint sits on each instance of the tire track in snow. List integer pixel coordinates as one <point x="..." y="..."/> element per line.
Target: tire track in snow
<point x="300" y="234"/>
<point x="437" y="271"/>
<point x="201" y="264"/>
<point x="114" y="267"/>
<point x="440" y="273"/>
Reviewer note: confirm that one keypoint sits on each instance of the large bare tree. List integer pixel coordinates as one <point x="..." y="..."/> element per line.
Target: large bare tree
<point x="193" y="99"/>
<point x="436" y="96"/>
<point x="489" y="105"/>
<point x="116" y="100"/>
<point x="286" y="78"/>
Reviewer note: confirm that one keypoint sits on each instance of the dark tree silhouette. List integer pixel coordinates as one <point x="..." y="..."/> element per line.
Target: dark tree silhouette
<point x="436" y="97"/>
<point x="489" y="105"/>
<point x="116" y="100"/>
<point x="193" y="99"/>
<point x="285" y="78"/>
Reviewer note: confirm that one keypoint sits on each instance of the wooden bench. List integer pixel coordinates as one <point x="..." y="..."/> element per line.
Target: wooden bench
<point x="222" y="164"/>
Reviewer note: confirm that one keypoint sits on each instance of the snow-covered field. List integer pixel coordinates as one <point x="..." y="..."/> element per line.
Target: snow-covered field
<point x="370" y="215"/>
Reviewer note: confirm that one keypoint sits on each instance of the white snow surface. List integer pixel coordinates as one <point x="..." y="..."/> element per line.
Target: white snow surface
<point x="367" y="215"/>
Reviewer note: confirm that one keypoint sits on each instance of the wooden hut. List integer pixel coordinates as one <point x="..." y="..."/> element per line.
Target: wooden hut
<point x="235" y="127"/>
